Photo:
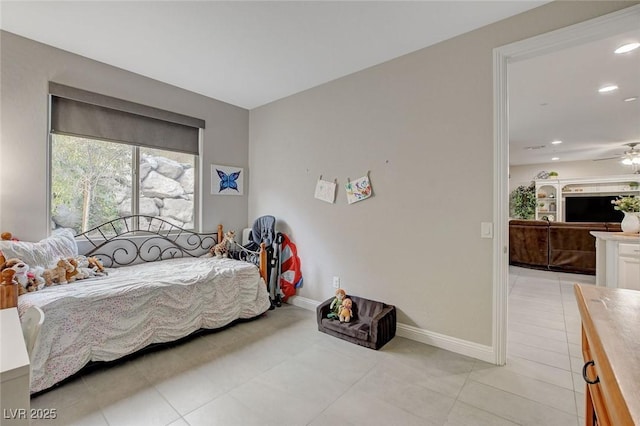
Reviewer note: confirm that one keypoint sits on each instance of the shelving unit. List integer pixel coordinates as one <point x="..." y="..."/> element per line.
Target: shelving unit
<point x="547" y="205"/>
<point x="599" y="188"/>
<point x="551" y="193"/>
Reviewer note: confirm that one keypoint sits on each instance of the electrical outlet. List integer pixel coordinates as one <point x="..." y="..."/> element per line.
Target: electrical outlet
<point x="336" y="282"/>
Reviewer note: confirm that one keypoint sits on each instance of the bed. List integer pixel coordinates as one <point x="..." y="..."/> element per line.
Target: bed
<point x="159" y="289"/>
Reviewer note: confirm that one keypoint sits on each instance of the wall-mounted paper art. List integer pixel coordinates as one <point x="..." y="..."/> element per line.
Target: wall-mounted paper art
<point x="226" y="180"/>
<point x="358" y="190"/>
<point x="325" y="191"/>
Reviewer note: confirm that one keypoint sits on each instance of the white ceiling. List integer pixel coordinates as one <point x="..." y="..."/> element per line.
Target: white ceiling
<point x="251" y="53"/>
<point x="248" y="53"/>
<point x="555" y="97"/>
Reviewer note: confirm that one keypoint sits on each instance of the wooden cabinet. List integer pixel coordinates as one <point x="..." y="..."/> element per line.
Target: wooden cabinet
<point x="611" y="351"/>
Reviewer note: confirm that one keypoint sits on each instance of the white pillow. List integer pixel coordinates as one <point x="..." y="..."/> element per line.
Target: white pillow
<point x="45" y="253"/>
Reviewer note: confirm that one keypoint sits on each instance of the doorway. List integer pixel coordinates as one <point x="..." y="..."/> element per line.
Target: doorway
<point x="604" y="26"/>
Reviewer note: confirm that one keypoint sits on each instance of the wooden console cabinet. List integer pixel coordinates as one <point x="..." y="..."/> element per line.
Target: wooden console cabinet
<point x="611" y="351"/>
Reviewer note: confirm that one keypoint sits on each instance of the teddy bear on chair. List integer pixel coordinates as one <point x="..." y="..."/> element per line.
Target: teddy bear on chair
<point x="346" y="313"/>
<point x="336" y="303"/>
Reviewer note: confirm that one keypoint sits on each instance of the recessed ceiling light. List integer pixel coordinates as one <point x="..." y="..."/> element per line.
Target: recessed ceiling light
<point x="631" y="99"/>
<point x="556" y="142"/>
<point x="626" y="48"/>
<point x="555" y="158"/>
<point x="608" y="88"/>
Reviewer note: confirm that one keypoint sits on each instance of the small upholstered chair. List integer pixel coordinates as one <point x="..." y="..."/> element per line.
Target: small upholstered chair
<point x="373" y="323"/>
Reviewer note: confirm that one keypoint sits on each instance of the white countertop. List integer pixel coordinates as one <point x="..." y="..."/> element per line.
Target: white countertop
<point x="617" y="236"/>
<point x="14" y="360"/>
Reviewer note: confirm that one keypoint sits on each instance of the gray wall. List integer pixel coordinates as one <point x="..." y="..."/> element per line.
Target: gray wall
<point x="422" y="125"/>
<point x="26" y="69"/>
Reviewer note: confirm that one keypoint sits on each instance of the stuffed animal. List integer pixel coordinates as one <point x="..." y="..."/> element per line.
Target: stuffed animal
<point x="57" y="274"/>
<point x="335" y="304"/>
<point x="36" y="282"/>
<point x="345" y="310"/>
<point x="89" y="267"/>
<point x="29" y="279"/>
<point x="220" y="249"/>
<point x="72" y="274"/>
<point x="96" y="266"/>
<point x="21" y="269"/>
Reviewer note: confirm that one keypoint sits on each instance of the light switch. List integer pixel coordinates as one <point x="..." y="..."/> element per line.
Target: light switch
<point x="486" y="230"/>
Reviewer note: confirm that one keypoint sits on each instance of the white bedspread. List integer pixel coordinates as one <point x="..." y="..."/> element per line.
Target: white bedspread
<point x="103" y="319"/>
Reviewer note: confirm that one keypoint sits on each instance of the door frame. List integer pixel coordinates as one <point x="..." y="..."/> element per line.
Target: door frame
<point x="593" y="29"/>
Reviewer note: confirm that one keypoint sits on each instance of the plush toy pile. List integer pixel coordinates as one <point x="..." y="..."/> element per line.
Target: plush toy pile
<point x="336" y="303"/>
<point x="29" y="279"/>
<point x="66" y="270"/>
<point x="341" y="307"/>
<point x="90" y="267"/>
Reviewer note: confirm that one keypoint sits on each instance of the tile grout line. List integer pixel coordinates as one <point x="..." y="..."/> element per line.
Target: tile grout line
<point x="344" y="393"/>
<point x="575" y="394"/>
<point x="566" y="340"/>
<point x="457" y="398"/>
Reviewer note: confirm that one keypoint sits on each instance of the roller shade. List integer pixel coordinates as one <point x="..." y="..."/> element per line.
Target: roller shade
<point x="87" y="114"/>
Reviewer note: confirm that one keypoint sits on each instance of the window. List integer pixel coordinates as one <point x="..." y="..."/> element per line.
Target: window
<point x="93" y="181"/>
<point x="112" y="158"/>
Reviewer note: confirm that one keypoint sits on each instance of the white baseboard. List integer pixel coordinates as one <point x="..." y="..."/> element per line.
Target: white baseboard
<point x="303" y="302"/>
<point x="442" y="341"/>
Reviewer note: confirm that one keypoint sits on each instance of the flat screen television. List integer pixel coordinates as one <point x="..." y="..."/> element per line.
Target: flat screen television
<point x="591" y="209"/>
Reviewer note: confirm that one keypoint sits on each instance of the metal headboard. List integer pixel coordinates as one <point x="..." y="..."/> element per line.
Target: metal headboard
<point x="139" y="238"/>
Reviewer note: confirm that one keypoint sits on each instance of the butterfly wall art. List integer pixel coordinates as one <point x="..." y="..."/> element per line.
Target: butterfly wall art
<point x="226" y="180"/>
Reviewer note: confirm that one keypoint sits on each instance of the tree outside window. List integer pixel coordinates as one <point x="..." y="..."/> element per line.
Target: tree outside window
<point x="92" y="181"/>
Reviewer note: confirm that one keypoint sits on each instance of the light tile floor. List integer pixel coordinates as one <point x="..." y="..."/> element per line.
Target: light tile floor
<point x="279" y="370"/>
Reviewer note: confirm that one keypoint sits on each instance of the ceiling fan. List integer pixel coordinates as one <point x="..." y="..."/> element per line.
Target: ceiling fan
<point x="630" y="157"/>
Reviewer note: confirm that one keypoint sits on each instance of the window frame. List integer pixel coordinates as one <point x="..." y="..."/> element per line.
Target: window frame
<point x="135" y="182"/>
<point x="143" y="125"/>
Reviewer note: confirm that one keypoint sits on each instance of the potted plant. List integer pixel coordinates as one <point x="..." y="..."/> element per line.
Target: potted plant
<point x="523" y="202"/>
<point x="553" y="175"/>
<point x="630" y="206"/>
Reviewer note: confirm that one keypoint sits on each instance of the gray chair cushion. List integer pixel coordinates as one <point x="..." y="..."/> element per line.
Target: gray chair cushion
<point x="357" y="329"/>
